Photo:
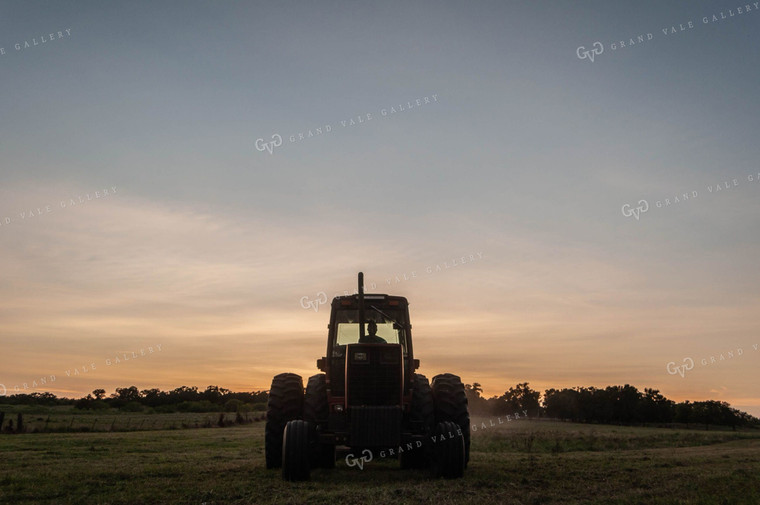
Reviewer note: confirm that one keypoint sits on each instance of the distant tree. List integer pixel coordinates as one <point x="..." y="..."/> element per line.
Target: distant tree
<point x="43" y="398"/>
<point x="47" y="399"/>
<point x="85" y="402"/>
<point x="122" y="396"/>
<point x="562" y="404"/>
<point x="625" y="401"/>
<point x="153" y="397"/>
<point x="592" y="405"/>
<point x="684" y="412"/>
<point x="655" y="408"/>
<point x="476" y="403"/>
<point x="713" y="412"/>
<point x="99" y="394"/>
<point x="215" y="394"/>
<point x="185" y="394"/>
<point x="517" y="399"/>
<point x="212" y="394"/>
<point x="474" y="388"/>
<point x="745" y="419"/>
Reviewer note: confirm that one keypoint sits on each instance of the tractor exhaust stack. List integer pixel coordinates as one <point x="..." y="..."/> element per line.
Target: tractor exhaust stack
<point x="361" y="306"/>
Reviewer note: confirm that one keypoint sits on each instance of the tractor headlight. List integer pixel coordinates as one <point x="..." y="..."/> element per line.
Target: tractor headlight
<point x="360" y="356"/>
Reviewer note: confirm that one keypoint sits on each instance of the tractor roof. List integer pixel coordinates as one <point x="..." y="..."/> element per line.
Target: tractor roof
<point x="353" y="300"/>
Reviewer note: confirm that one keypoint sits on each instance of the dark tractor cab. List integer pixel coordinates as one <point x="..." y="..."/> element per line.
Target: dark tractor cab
<point x="368" y="397"/>
<point x="369" y="380"/>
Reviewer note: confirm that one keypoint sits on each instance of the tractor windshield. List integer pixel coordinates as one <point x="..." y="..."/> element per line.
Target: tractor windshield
<point x="391" y="325"/>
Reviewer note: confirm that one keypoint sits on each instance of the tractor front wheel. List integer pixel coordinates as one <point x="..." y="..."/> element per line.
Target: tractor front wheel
<point x="315" y="411"/>
<point x="449" y="451"/>
<point x="296" y="446"/>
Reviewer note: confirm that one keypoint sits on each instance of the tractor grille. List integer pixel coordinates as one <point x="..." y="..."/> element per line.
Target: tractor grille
<point x="375" y="426"/>
<point x="374" y="374"/>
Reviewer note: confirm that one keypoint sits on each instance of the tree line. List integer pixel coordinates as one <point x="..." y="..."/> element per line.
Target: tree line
<point x="611" y="405"/>
<point x="131" y="399"/>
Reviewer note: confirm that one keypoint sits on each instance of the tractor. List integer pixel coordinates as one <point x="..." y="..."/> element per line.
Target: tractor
<point x="367" y="398"/>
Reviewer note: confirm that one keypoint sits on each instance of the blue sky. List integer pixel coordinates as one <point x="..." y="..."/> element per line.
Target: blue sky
<point x="527" y="157"/>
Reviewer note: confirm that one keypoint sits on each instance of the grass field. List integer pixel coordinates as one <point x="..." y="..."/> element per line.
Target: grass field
<point x="68" y="419"/>
<point x="520" y="462"/>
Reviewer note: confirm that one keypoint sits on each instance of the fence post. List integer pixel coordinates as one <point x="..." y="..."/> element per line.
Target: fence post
<point x="2" y="419"/>
<point x="19" y="423"/>
<point x="71" y="423"/>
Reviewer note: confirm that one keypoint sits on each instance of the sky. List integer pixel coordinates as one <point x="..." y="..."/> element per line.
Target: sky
<point x="184" y="181"/>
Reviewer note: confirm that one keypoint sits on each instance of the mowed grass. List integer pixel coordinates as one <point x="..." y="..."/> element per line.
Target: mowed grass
<point x="518" y="462"/>
<point x="71" y="420"/>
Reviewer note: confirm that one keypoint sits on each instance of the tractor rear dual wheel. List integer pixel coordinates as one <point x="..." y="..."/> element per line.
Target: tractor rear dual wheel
<point x="284" y="405"/>
<point x="422" y="415"/>
<point x="451" y="405"/>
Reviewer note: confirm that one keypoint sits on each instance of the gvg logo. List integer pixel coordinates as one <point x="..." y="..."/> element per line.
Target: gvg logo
<point x="687" y="365"/>
<point x="4" y="390"/>
<point x="596" y="49"/>
<point x="269" y="146"/>
<point x="636" y="212"/>
<point x="352" y="460"/>
<point x="321" y="299"/>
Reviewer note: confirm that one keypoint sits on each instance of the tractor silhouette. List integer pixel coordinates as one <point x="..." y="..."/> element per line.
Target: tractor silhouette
<point x="368" y="398"/>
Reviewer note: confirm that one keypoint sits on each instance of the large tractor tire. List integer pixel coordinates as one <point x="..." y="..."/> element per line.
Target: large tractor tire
<point x="296" y="447"/>
<point x="422" y="414"/>
<point x="316" y="411"/>
<point x="285" y="404"/>
<point x="449" y="451"/>
<point x="451" y="405"/>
